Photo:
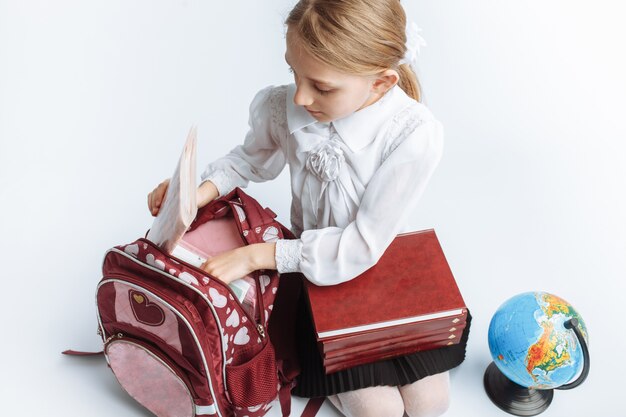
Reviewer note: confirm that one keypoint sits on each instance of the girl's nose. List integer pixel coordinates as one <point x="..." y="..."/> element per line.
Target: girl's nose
<point x="302" y="98"/>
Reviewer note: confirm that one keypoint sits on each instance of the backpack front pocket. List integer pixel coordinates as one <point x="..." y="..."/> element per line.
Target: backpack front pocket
<point x="150" y="378"/>
<point x="253" y="382"/>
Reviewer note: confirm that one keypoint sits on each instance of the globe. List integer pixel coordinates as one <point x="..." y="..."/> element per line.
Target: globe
<point x="530" y="344"/>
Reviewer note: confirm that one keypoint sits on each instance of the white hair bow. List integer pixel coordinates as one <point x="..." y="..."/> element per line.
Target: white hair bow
<point x="413" y="43"/>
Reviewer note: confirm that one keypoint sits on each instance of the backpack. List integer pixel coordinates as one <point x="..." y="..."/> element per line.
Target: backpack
<point x="181" y="343"/>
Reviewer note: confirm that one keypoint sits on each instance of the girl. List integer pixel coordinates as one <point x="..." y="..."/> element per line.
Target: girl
<point x="360" y="149"/>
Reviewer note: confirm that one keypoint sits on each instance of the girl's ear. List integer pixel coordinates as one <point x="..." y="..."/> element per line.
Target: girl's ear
<point x="385" y="81"/>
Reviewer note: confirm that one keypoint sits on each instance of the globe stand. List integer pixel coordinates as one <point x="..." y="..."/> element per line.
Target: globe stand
<point x="521" y="401"/>
<point x="513" y="398"/>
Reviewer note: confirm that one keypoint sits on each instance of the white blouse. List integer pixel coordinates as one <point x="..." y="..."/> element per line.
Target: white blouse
<point x="354" y="181"/>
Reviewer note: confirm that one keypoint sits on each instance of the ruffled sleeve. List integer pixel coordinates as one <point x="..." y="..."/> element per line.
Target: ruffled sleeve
<point x="259" y="158"/>
<point x="332" y="255"/>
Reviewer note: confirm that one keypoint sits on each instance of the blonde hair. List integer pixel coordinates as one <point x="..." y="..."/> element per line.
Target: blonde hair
<point x="361" y="37"/>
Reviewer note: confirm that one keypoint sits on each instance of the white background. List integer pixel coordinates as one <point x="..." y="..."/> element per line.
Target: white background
<point x="96" y="98"/>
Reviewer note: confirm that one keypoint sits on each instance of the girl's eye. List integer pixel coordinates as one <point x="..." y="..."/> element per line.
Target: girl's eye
<point x="323" y="92"/>
<point x="319" y="90"/>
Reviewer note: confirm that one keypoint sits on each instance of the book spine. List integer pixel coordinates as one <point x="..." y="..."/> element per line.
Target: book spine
<point x="382" y="335"/>
<point x="421" y="337"/>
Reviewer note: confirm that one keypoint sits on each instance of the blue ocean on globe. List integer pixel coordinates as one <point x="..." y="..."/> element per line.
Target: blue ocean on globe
<point x="530" y="344"/>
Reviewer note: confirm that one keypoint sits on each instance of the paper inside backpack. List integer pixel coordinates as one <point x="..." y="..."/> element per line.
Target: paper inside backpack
<point x="179" y="207"/>
<point x="210" y="239"/>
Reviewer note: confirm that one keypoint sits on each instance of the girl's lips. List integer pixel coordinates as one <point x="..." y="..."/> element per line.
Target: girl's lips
<point x="314" y="112"/>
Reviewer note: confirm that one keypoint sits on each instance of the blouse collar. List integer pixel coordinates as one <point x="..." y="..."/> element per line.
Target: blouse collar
<point x="358" y="129"/>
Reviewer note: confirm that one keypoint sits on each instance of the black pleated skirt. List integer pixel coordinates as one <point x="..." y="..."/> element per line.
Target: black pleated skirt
<point x="313" y="382"/>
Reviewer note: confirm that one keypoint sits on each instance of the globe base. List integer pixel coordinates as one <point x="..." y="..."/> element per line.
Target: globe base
<point x="513" y="398"/>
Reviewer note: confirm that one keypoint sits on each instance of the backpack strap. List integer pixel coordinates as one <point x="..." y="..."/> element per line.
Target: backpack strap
<point x="81" y="353"/>
<point x="250" y="213"/>
<point x="284" y="394"/>
<point x="214" y="210"/>
<point x="245" y="209"/>
<point x="257" y="215"/>
<point x="313" y="406"/>
<point x="282" y="332"/>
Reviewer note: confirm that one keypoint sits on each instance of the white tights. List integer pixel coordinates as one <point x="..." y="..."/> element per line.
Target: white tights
<point x="427" y="397"/>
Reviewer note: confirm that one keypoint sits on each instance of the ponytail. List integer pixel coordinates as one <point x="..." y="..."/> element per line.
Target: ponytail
<point x="409" y="82"/>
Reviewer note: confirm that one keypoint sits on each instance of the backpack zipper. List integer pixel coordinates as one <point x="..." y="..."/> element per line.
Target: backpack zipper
<point x="113" y="336"/>
<point x="261" y="330"/>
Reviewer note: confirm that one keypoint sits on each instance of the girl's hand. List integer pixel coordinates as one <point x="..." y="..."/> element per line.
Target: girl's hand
<point x="237" y="263"/>
<point x="155" y="198"/>
<point x="205" y="193"/>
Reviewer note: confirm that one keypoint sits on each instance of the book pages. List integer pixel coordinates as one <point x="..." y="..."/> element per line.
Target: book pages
<point x="179" y="206"/>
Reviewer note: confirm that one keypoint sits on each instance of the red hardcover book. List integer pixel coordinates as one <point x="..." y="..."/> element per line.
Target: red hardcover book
<point x="410" y="287"/>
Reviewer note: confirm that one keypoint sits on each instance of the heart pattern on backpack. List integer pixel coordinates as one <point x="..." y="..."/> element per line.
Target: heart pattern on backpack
<point x="264" y="280"/>
<point x="151" y="260"/>
<point x="145" y="312"/>
<point x="188" y="278"/>
<point x="240" y="213"/>
<point x="233" y="319"/>
<point x="270" y="234"/>
<point x="218" y="299"/>
<point x="242" y="337"/>
<point x="132" y="250"/>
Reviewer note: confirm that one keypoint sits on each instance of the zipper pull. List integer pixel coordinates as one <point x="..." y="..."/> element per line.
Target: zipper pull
<point x="261" y="330"/>
<point x="113" y="336"/>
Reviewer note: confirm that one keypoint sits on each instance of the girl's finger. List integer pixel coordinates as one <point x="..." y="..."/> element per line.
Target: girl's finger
<point x="154" y="207"/>
<point x="150" y="196"/>
<point x="150" y="204"/>
<point x="162" y="191"/>
<point x="155" y="198"/>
